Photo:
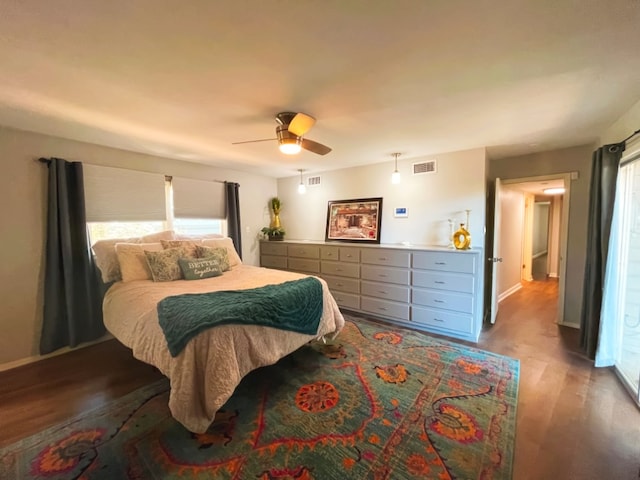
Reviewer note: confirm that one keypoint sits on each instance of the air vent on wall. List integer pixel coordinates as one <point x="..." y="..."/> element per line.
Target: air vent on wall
<point x="313" y="181"/>
<point x="424" y="167"/>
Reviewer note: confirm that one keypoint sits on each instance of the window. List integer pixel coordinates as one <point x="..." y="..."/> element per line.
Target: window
<point x="126" y="203"/>
<point x="104" y="230"/>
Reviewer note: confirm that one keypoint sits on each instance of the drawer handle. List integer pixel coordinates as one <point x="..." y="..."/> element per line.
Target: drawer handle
<point x="382" y="308"/>
<point x="329" y="254"/>
<point x="349" y="256"/>
<point x="382" y="275"/>
<point x="338" y="269"/>
<point x="441" y="263"/>
<point x="339" y="285"/>
<point x="439" y="282"/>
<point x="438" y="320"/>
<point x="383" y="259"/>
<point x="383" y="292"/>
<point x="439" y="301"/>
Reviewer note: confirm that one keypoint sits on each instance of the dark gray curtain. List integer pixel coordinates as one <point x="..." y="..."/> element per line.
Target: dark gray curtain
<point x="604" y="172"/>
<point x="72" y="310"/>
<point x="233" y="215"/>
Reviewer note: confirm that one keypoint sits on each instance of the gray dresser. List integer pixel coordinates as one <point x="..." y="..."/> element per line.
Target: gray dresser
<point x="433" y="289"/>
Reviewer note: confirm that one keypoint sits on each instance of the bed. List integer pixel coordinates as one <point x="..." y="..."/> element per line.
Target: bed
<point x="206" y="372"/>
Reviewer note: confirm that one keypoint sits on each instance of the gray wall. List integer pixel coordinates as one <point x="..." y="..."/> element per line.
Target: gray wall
<point x="431" y="199"/>
<point x="511" y="238"/>
<point x="564" y="160"/>
<point x="22" y="220"/>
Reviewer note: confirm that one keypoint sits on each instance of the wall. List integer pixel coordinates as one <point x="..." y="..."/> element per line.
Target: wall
<point x="22" y="220"/>
<point x="554" y="236"/>
<point x="564" y="160"/>
<point x="511" y="239"/>
<point x="540" y="228"/>
<point x="431" y="199"/>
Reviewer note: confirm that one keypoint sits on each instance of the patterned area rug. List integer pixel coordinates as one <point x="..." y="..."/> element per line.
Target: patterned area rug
<point x="377" y="402"/>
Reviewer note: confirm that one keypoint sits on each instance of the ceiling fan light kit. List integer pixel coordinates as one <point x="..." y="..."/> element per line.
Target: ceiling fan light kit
<point x="290" y="133"/>
<point x="289" y="143"/>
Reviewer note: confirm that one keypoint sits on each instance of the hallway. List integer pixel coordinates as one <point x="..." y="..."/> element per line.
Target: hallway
<point x="574" y="421"/>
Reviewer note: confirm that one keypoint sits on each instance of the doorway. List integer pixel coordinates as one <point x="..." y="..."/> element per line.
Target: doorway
<point x="530" y="232"/>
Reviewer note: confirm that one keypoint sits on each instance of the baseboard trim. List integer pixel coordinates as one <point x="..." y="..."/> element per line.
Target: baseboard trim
<point x="509" y="291"/>
<point x="552" y="275"/>
<point x="36" y="358"/>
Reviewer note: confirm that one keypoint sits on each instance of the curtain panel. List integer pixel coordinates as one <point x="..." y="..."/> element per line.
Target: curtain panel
<point x="72" y="309"/>
<point x="233" y="214"/>
<point x="604" y="173"/>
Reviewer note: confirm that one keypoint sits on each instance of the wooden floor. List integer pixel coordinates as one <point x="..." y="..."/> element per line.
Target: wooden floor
<point x="574" y="421"/>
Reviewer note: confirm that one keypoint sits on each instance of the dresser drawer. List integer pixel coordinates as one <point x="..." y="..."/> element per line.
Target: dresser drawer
<point x="347" y="300"/>
<point x="349" y="285"/>
<point x="303" y="265"/>
<point x="391" y="258"/>
<point x="304" y="251"/>
<point x="455" y="282"/>
<point x="341" y="269"/>
<point x="440" y="319"/>
<point x="445" y="261"/>
<point x="385" y="308"/>
<point x="385" y="291"/>
<point x="273" y="248"/>
<point x="271" y="261"/>
<point x="329" y="253"/>
<point x="383" y="274"/>
<point x="458" y="302"/>
<point x="349" y="254"/>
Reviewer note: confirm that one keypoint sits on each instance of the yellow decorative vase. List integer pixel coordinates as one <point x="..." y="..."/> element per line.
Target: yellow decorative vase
<point x="462" y="238"/>
<point x="275" y="221"/>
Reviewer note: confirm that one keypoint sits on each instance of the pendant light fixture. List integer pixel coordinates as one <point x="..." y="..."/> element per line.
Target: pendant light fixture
<point x="395" y="176"/>
<point x="301" y="188"/>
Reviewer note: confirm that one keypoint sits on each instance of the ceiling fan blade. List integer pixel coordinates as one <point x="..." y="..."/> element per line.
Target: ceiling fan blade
<point x="254" y="141"/>
<point x="301" y="124"/>
<point x="314" y="147"/>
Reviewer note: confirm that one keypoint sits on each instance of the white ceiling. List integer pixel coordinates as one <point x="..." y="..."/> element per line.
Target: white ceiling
<point x="185" y="79"/>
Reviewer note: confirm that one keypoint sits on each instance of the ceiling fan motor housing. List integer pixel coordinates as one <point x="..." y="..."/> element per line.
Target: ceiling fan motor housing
<point x="285" y="136"/>
<point x="284" y="118"/>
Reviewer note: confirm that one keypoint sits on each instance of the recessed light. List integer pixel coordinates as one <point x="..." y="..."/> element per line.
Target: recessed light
<point x="554" y="191"/>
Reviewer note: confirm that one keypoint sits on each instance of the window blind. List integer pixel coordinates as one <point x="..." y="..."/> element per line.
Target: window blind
<point x="118" y="194"/>
<point x="198" y="198"/>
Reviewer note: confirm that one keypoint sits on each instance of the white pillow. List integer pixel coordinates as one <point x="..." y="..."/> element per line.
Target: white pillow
<point x="105" y="253"/>
<point x="226" y="242"/>
<point x="132" y="260"/>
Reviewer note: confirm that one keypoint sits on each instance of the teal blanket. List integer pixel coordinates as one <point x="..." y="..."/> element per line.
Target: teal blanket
<point x="295" y="305"/>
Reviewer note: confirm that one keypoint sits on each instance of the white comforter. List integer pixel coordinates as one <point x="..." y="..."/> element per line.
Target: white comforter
<point x="205" y="374"/>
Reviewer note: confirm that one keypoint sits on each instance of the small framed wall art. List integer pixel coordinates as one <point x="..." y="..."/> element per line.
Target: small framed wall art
<point x="355" y="220"/>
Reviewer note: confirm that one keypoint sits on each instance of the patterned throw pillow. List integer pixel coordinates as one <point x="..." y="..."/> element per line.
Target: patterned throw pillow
<point x="220" y="254"/>
<point x="164" y="265"/>
<point x="188" y="245"/>
<point x="197" y="268"/>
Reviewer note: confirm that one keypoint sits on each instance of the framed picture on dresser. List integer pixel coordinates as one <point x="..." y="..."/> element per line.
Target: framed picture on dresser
<point x="356" y="220"/>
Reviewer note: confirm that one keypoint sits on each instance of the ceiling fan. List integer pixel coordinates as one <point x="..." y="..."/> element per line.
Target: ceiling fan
<point x="290" y="134"/>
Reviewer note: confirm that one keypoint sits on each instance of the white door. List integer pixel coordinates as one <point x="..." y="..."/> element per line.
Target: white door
<point x="495" y="257"/>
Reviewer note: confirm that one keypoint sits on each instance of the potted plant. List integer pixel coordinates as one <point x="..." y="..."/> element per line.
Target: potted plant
<point x="274" y="231"/>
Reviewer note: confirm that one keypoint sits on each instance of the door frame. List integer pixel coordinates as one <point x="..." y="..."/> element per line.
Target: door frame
<point x="564" y="230"/>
